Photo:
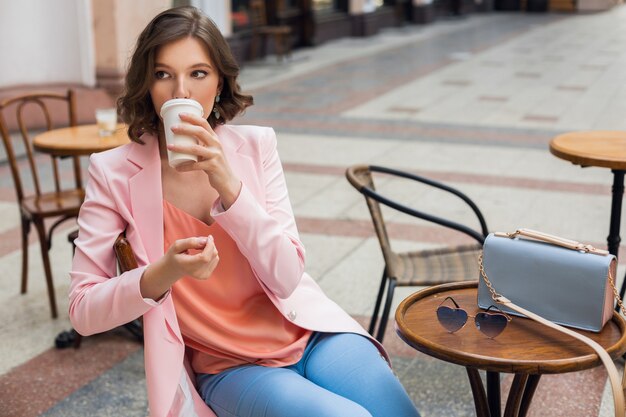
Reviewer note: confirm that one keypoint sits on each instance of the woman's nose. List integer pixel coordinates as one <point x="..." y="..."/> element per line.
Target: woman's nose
<point x="181" y="90"/>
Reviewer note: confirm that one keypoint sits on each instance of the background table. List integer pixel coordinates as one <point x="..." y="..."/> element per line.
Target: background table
<point x="606" y="149"/>
<point x="526" y="348"/>
<point x="78" y="140"/>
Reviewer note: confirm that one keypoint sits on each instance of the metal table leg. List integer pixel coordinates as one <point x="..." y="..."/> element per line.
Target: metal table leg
<point x="493" y="393"/>
<point x="478" y="391"/>
<point x="614" y="239"/>
<point x="518" y="399"/>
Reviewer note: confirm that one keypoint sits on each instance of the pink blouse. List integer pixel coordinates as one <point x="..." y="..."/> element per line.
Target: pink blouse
<point x="228" y="320"/>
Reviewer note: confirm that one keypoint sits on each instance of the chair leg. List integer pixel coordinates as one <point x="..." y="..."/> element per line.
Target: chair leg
<point x="379" y="298"/>
<point x="278" y="43"/>
<point x="78" y="338"/>
<point x="68" y="338"/>
<point x="264" y="46"/>
<point x="254" y="46"/>
<point x="383" y="320"/>
<point x="43" y="244"/>
<point x="135" y="328"/>
<point x="25" y="233"/>
<point x="71" y="237"/>
<point x="288" y="47"/>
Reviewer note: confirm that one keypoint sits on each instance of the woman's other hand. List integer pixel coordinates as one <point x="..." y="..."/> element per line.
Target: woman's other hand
<point x="195" y="257"/>
<point x="211" y="158"/>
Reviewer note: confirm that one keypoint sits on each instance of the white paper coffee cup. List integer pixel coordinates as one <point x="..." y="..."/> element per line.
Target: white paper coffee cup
<point x="170" y="114"/>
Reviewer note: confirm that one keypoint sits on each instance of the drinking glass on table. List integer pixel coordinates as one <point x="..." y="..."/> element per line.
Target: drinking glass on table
<point x="107" y="121"/>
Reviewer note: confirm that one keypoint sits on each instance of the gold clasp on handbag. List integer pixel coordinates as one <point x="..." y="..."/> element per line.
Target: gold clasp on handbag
<point x="594" y="250"/>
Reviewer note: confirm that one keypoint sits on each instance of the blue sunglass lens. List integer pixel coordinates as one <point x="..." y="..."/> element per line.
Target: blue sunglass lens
<point x="452" y="319"/>
<point x="490" y="324"/>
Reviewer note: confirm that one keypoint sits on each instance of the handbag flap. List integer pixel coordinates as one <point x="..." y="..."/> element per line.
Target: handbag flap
<point x="565" y="286"/>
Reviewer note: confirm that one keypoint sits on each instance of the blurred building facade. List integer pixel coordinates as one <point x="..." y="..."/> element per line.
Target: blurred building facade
<point x="88" y="42"/>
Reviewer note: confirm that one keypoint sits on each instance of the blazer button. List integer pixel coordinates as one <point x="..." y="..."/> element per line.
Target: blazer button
<point x="292" y="315"/>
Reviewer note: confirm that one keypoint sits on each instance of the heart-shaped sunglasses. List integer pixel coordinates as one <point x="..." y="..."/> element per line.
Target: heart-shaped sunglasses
<point x="490" y="323"/>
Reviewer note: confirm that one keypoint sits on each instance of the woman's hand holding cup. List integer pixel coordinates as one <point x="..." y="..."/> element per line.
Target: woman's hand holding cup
<point x="210" y="156"/>
<point x="170" y="112"/>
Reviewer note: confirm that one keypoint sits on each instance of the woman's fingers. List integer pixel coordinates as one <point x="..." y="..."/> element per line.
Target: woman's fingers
<point x="197" y="127"/>
<point x="208" y="145"/>
<point x="197" y="149"/>
<point x="196" y="120"/>
<point x="183" y="245"/>
<point x="201" y="263"/>
<point x="209" y="250"/>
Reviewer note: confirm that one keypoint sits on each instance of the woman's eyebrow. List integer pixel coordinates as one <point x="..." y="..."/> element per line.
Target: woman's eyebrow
<point x="198" y="65"/>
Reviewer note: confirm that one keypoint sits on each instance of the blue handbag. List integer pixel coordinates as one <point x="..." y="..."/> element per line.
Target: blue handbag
<point x="559" y="279"/>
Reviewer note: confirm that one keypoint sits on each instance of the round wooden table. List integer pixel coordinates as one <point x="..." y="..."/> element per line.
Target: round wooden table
<point x="605" y="149"/>
<point x="78" y="140"/>
<point x="526" y="348"/>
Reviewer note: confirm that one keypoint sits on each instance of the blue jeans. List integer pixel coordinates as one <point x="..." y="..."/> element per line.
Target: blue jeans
<point x="339" y="375"/>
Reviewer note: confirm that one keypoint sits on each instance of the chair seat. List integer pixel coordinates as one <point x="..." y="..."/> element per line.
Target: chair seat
<point x="55" y="204"/>
<point x="436" y="266"/>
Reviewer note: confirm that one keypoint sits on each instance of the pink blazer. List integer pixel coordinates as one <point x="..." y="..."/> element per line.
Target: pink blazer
<point x="124" y="193"/>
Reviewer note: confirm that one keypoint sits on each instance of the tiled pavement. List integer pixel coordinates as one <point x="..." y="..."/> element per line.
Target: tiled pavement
<point x="472" y="102"/>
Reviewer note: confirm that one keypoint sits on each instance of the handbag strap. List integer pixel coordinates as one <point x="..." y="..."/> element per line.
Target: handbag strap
<point x="555" y="240"/>
<point x="619" y="392"/>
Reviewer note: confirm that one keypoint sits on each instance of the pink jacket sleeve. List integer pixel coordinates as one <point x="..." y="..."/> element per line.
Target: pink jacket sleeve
<point x="100" y="299"/>
<point x="267" y="236"/>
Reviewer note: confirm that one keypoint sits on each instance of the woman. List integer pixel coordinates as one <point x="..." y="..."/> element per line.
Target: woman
<point x="246" y="332"/>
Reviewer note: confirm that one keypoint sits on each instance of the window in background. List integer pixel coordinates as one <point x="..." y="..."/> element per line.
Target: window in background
<point x="371" y="5"/>
<point x="330" y="6"/>
<point x="319" y="5"/>
<point x="240" y="16"/>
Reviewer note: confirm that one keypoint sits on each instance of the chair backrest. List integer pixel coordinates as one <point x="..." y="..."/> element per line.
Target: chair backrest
<point x="124" y="252"/>
<point x="24" y="109"/>
<point x="361" y="178"/>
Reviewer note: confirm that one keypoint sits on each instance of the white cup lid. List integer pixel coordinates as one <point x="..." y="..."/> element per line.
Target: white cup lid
<point x="179" y="101"/>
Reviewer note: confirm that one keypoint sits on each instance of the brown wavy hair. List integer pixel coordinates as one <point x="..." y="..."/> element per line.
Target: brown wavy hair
<point x="135" y="105"/>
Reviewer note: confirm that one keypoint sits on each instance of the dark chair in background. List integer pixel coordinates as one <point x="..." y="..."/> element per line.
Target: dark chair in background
<point x="422" y="267"/>
<point x="39" y="202"/>
<point x="126" y="261"/>
<point x="261" y="30"/>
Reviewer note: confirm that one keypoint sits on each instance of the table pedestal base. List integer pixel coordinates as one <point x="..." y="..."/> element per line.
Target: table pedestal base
<point x="614" y="239"/>
<point x="518" y="400"/>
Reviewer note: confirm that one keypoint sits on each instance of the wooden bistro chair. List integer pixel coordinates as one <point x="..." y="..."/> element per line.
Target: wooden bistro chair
<point x="126" y="261"/>
<point x="38" y="199"/>
<point x="422" y="267"/>
<point x="261" y="30"/>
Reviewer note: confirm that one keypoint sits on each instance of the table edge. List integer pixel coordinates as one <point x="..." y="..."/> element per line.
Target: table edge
<point x="557" y="150"/>
<point x="501" y="365"/>
<point x="71" y="151"/>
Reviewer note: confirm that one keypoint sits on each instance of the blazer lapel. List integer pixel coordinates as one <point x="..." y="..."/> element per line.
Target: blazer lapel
<point x="146" y="198"/>
<point x="146" y="195"/>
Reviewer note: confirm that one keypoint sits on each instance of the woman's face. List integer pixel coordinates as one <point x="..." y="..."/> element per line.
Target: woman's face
<point x="183" y="69"/>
